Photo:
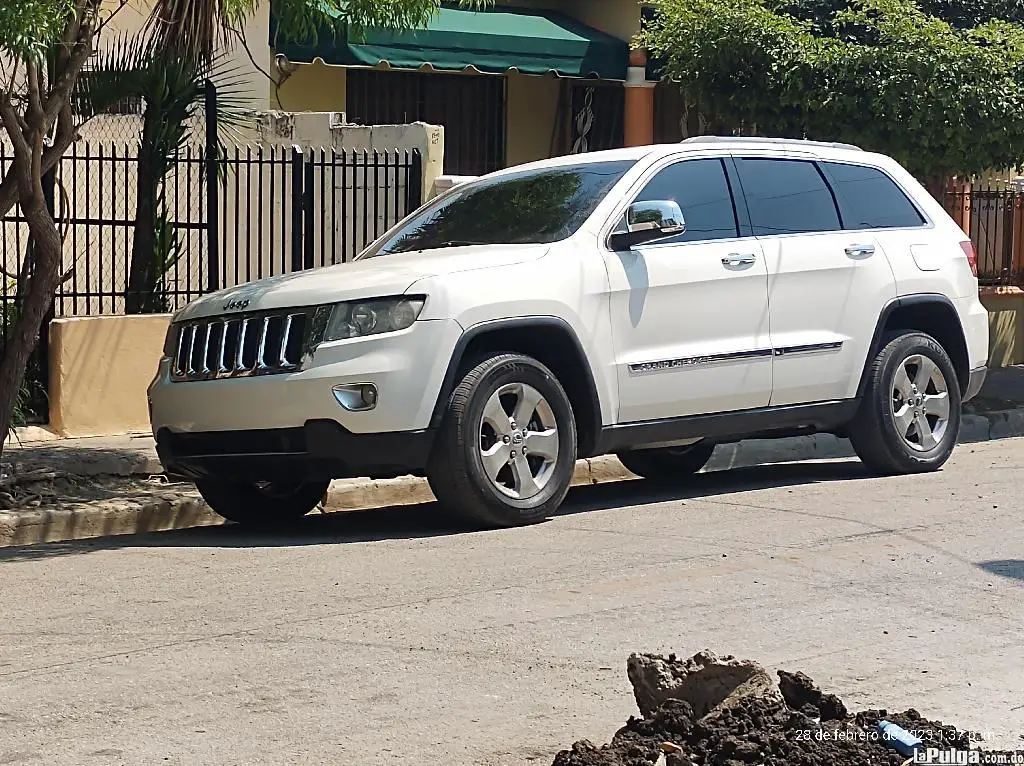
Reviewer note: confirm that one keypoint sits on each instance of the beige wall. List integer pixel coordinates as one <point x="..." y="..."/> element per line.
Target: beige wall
<point x="1005" y="324"/>
<point x="100" y="368"/>
<point x="314" y="87"/>
<point x="531" y="110"/>
<point x="253" y="84"/>
<point x="620" y="18"/>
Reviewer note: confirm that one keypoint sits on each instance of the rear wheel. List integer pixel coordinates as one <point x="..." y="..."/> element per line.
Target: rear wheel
<point x="262" y="503"/>
<point x="667" y="463"/>
<point x="909" y="419"/>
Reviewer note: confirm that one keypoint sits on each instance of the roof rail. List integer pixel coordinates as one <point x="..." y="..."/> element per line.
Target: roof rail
<point x="764" y="140"/>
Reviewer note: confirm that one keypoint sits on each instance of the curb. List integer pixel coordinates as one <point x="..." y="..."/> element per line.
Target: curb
<point x="33" y="527"/>
<point x="354" y="494"/>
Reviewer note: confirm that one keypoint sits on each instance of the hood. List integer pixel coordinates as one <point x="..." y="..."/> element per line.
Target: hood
<point x="368" y="278"/>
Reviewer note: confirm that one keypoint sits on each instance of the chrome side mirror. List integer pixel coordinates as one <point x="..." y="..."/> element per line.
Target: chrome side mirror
<point x="648" y="221"/>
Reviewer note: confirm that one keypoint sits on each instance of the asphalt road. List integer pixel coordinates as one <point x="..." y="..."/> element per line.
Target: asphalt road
<point x="385" y="638"/>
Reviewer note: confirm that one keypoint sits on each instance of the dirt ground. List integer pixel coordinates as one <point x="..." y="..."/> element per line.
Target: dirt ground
<point x="792" y="723"/>
<point x="45" y="489"/>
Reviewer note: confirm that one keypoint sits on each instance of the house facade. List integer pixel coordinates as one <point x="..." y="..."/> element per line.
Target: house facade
<point x="525" y="80"/>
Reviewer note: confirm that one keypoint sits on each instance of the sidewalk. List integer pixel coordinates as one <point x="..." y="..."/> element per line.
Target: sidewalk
<point x="113" y="485"/>
<point x="100" y="456"/>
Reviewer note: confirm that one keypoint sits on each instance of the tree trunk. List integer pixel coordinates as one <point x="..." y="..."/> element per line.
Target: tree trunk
<point x="38" y="298"/>
<point x="144" y="271"/>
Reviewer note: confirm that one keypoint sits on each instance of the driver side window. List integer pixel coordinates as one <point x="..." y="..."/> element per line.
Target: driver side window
<point x="701" y="189"/>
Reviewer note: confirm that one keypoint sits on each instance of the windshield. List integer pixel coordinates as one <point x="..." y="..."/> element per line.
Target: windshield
<point x="530" y="207"/>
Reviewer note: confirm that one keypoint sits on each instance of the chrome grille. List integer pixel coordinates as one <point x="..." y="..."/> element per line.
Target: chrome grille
<point x="238" y="346"/>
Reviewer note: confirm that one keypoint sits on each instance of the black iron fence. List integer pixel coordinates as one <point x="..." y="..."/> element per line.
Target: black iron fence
<point x="284" y="210"/>
<point x="237" y="215"/>
<point x="993" y="215"/>
<point x="275" y="210"/>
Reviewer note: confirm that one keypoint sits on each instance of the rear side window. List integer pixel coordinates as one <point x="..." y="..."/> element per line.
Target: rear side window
<point x="786" y="197"/>
<point x="869" y="199"/>
<point x="702" y="191"/>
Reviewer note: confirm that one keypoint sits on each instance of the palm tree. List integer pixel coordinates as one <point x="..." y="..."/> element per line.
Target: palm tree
<point x="168" y="67"/>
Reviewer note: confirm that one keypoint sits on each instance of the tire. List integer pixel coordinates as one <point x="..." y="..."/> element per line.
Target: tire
<point x="262" y="505"/>
<point x="909" y="418"/>
<point x="667" y="463"/>
<point x="472" y="471"/>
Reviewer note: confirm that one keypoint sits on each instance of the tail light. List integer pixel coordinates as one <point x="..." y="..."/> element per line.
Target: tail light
<point x="972" y="258"/>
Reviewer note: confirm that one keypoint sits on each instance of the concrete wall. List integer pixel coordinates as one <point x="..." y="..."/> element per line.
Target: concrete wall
<point x="620" y="18"/>
<point x="311" y="88"/>
<point x="100" y="368"/>
<point x="324" y="129"/>
<point x="531" y="113"/>
<point x="1006" y="325"/>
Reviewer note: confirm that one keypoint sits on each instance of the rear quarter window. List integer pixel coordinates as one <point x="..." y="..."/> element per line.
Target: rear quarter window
<point x="870" y="199"/>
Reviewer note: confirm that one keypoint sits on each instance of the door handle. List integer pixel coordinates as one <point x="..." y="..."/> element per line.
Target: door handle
<point x="739" y="259"/>
<point x="860" y="251"/>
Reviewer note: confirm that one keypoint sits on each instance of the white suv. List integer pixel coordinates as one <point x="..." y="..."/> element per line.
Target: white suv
<point x="649" y="302"/>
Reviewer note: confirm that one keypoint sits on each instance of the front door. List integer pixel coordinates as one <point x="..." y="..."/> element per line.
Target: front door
<point x="689" y="315"/>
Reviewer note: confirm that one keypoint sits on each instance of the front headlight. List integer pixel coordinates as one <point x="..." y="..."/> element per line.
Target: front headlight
<point x="356" y="319"/>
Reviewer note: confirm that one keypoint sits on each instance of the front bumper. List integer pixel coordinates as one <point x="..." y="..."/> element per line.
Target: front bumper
<point x="975" y="382"/>
<point x="318" y="450"/>
<point x="407" y="368"/>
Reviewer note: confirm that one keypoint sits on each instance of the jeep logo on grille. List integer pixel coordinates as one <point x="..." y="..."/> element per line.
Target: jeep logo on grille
<point x="235" y="305"/>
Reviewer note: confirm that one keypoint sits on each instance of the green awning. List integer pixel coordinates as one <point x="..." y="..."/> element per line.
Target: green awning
<point x="496" y="40"/>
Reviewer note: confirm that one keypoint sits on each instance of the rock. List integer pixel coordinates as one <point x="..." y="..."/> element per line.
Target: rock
<point x="706" y="681"/>
<point x="800" y="693"/>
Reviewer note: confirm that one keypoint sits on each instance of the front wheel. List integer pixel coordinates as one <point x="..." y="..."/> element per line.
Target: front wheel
<point x="667" y="463"/>
<point x="262" y="503"/>
<point x="506" y="449"/>
<point x="909" y="419"/>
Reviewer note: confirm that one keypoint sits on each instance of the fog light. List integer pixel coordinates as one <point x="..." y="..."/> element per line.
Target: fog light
<point x="369" y="395"/>
<point x="356" y="397"/>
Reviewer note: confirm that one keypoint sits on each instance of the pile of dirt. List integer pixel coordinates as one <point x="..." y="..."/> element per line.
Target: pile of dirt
<point x="720" y="711"/>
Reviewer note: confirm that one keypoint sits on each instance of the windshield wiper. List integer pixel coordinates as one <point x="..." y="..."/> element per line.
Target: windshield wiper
<point x="453" y="243"/>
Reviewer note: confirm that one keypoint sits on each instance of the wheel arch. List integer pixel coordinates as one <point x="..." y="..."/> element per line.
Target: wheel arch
<point x="930" y="313"/>
<point x="548" y="339"/>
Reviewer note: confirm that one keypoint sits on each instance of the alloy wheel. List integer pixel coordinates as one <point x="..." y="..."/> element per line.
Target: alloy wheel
<point x="518" y="438"/>
<point x="920" y="403"/>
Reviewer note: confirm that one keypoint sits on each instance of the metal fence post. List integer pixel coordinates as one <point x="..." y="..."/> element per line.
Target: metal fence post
<point x="309" y="182"/>
<point x="212" y="192"/>
<point x="298" y="176"/>
<point x="414" y="186"/>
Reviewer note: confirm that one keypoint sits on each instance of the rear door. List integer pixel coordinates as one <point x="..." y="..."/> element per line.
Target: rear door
<point x="826" y="285"/>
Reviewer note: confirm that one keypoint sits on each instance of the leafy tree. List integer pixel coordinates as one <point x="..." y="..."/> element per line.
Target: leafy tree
<point x="44" y="45"/>
<point x="882" y="74"/>
<point x="962" y="14"/>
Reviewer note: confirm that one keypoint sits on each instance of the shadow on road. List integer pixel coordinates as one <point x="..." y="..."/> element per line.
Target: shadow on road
<point x="1011" y="568"/>
<point x="429" y="520"/>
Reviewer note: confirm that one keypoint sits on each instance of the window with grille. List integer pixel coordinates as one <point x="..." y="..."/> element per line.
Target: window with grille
<point x="470" y="107"/>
